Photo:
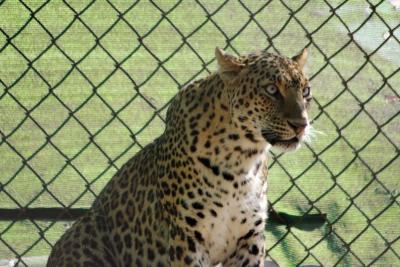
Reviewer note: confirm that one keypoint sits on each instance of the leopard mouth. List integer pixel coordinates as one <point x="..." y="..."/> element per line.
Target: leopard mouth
<point x="275" y="140"/>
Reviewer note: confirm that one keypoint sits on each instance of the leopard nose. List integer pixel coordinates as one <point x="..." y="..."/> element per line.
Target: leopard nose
<point x="298" y="125"/>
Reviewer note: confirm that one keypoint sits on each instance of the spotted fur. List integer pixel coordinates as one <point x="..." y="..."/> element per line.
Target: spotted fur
<point x="196" y="196"/>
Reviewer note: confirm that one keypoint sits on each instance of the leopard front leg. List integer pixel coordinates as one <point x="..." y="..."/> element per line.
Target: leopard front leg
<point x="249" y="251"/>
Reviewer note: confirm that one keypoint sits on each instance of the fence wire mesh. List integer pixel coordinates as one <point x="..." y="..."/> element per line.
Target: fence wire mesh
<point x="84" y="85"/>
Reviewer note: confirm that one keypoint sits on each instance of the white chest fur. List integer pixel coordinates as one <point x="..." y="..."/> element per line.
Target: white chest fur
<point x="237" y="210"/>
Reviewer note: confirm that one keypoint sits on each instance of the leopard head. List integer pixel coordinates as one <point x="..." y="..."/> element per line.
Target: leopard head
<point x="269" y="95"/>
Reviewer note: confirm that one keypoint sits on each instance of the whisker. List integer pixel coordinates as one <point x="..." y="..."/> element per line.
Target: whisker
<point x="311" y="134"/>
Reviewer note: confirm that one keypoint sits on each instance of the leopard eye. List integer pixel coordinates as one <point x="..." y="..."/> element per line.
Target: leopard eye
<point x="306" y="92"/>
<point x="271" y="89"/>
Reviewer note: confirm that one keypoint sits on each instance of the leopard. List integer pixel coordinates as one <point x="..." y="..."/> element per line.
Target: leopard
<point x="197" y="194"/>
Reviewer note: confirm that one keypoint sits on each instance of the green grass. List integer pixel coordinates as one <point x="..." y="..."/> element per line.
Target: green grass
<point x="338" y="183"/>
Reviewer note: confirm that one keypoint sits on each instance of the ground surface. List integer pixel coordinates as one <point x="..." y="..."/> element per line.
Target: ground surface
<point x="350" y="171"/>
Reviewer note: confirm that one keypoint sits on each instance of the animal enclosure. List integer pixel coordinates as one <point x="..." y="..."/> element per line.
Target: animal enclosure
<point x="84" y="85"/>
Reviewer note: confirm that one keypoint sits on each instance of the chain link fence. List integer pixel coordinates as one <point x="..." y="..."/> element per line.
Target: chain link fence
<point x="84" y="85"/>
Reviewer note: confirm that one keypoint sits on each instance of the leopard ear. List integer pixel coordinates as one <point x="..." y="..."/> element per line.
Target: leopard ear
<point x="301" y="58"/>
<point x="229" y="66"/>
